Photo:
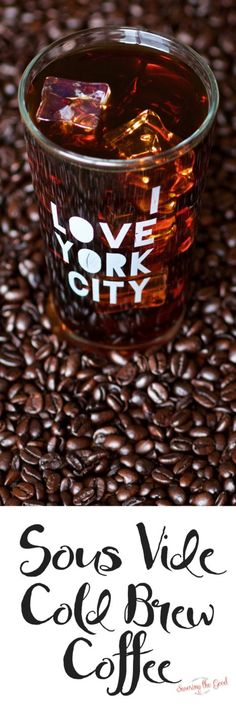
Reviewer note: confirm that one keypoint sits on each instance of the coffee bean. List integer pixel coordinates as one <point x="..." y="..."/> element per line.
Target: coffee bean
<point x="157" y="363"/>
<point x="212" y="486"/>
<point x="162" y="477"/>
<point x="180" y="444"/>
<point x="145" y="489"/>
<point x="202" y="499"/>
<point x="214" y="458"/>
<point x="182" y="388"/>
<point x="12" y="476"/>
<point x="142" y="466"/>
<point x="143" y="380"/>
<point x="190" y="345"/>
<point x="178" y="364"/>
<point x="232" y="442"/>
<point x="23" y="491"/>
<point x="221" y="500"/>
<point x="177" y="495"/>
<point x="144" y="446"/>
<point x="200" y="431"/>
<point x="70" y="365"/>
<point x="53" y="482"/>
<point x="5" y="460"/>
<point x="181" y="421"/>
<point x="34" y="403"/>
<point x="114" y="402"/>
<point x="8" y="440"/>
<point x="232" y="353"/>
<point x="124" y="493"/>
<point x="227" y="469"/>
<point x="113" y="442"/>
<point x="27" y="456"/>
<point x="128" y="476"/>
<point x="229" y="392"/>
<point x="101" y="417"/>
<point x="206" y="399"/>
<point x="157" y="392"/>
<point x="50" y="461"/>
<point x="71" y="422"/>
<point x="181" y="466"/>
<point x="210" y="373"/>
<point x="186" y="479"/>
<point x="126" y="374"/>
<point x="203" y="446"/>
<point x="136" y="432"/>
<point x="84" y="497"/>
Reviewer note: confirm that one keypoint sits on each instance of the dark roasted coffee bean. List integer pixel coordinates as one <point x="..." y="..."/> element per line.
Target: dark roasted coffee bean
<point x="114" y="402"/>
<point x="190" y="344"/>
<point x="5" y="460"/>
<point x="136" y="432"/>
<point x="23" y="491"/>
<point x="178" y="364"/>
<point x="186" y="479"/>
<point x="50" y="461"/>
<point x="143" y="380"/>
<point x="221" y="500"/>
<point x="53" y="482"/>
<point x="35" y="429"/>
<point x="162" y="417"/>
<point x="200" y="431"/>
<point x="232" y="442"/>
<point x="203" y="446"/>
<point x="84" y="497"/>
<point x="101" y="417"/>
<point x="113" y="442"/>
<point x="180" y="444"/>
<point x="182" y="465"/>
<point x="181" y="421"/>
<point x="144" y="489"/>
<point x="12" y="476"/>
<point x="177" y="495"/>
<point x="212" y="486"/>
<point x="206" y="399"/>
<point x="70" y="365"/>
<point x="214" y="458"/>
<point x="144" y="446"/>
<point x="124" y="493"/>
<point x="142" y="466"/>
<point x="157" y="392"/>
<point x="155" y="432"/>
<point x="232" y="353"/>
<point x="8" y="440"/>
<point x="162" y="476"/>
<point x="227" y="469"/>
<point x="127" y="476"/>
<point x="202" y="499"/>
<point x="182" y="388"/>
<point x="126" y="374"/>
<point x="34" y="403"/>
<point x="171" y="458"/>
<point x="229" y="485"/>
<point x="228" y="392"/>
<point x="27" y="456"/>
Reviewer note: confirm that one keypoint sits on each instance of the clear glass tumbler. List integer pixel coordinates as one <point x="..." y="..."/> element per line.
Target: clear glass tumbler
<point x="119" y="233"/>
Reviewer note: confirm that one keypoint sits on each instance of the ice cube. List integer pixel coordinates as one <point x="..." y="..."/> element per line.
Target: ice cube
<point x="145" y="134"/>
<point x="75" y="103"/>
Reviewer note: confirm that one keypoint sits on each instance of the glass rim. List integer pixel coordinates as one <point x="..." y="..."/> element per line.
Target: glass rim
<point x="138" y="36"/>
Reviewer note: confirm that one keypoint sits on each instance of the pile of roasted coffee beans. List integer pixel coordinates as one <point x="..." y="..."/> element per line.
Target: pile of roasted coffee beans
<point x="77" y="429"/>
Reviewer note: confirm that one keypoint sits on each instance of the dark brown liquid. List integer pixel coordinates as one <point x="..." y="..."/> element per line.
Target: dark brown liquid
<point x="140" y="79"/>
